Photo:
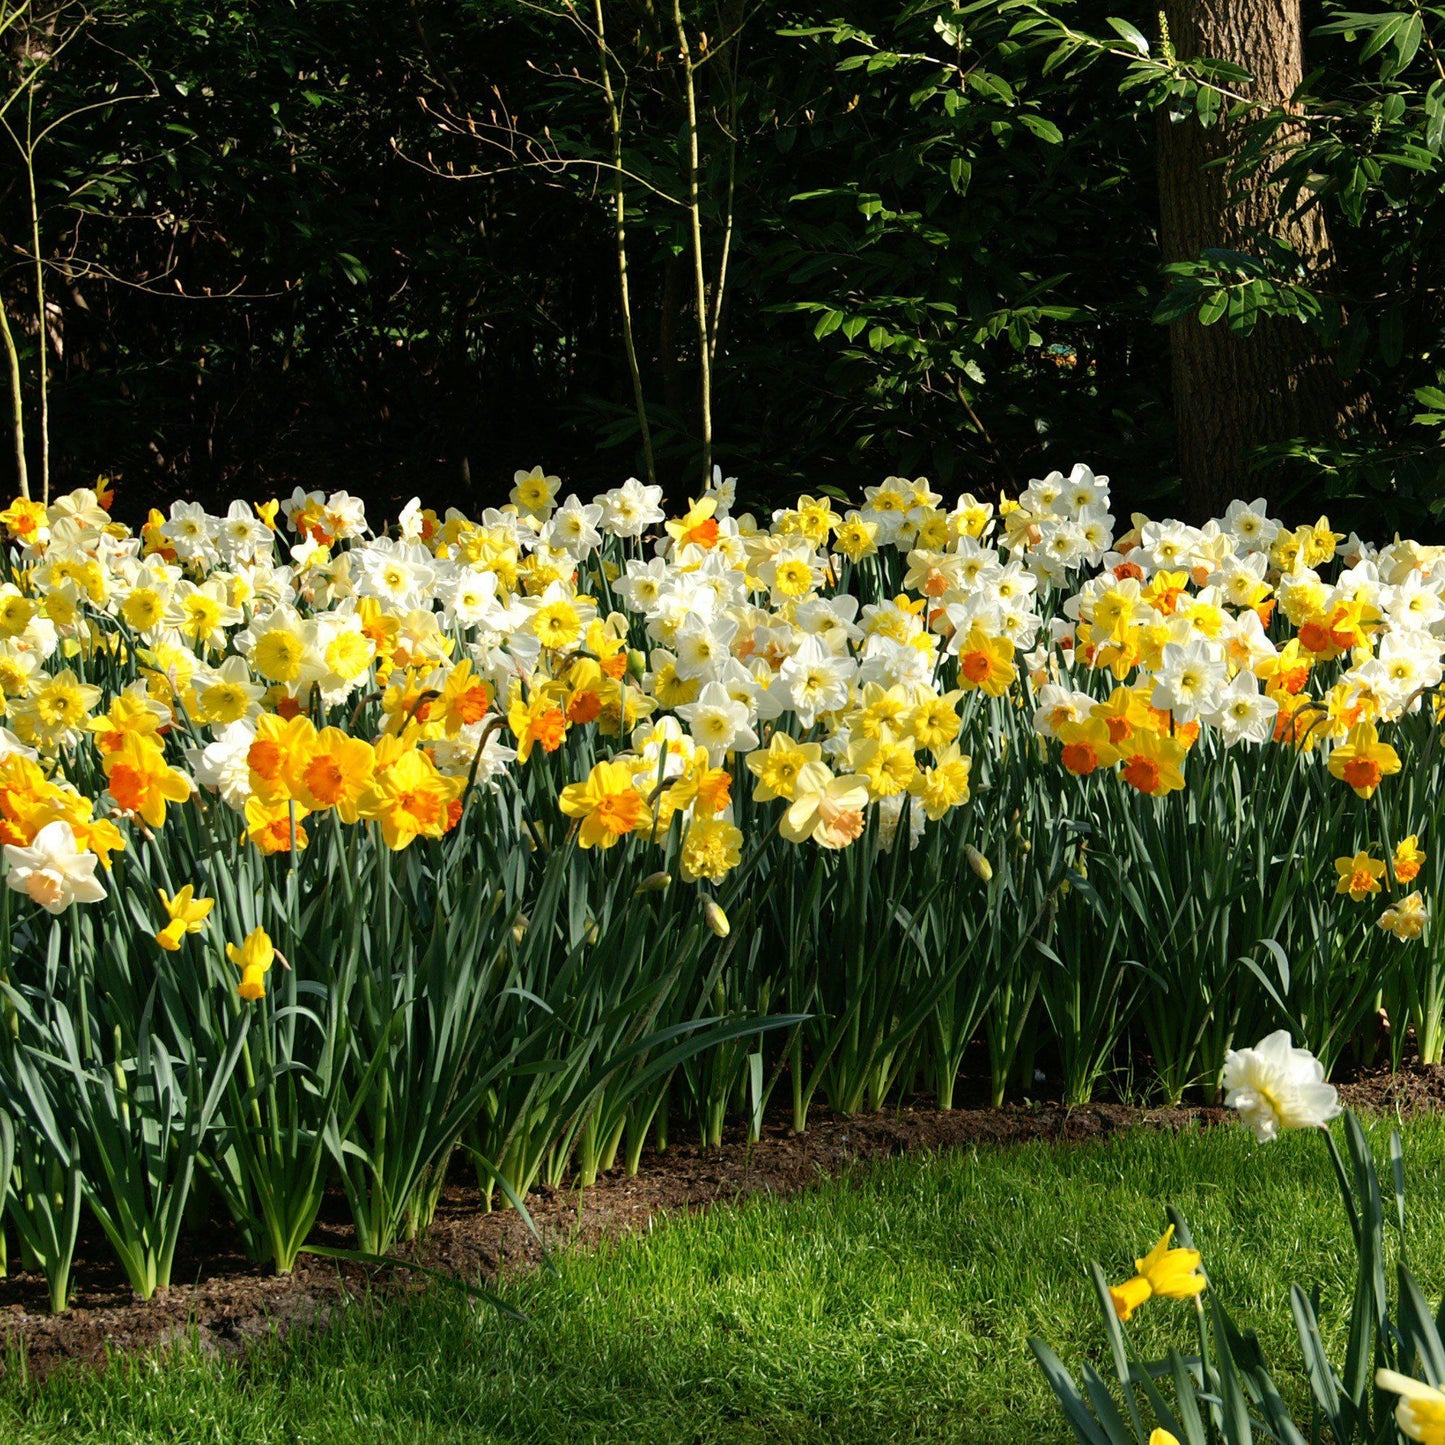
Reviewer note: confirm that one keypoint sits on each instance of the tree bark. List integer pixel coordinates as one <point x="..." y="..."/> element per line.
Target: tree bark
<point x="1233" y="394"/>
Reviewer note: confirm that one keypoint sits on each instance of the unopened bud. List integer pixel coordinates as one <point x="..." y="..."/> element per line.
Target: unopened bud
<point x="519" y="928"/>
<point x="654" y="883"/>
<point x="636" y="663"/>
<point x="975" y="860"/>
<point x="715" y="918"/>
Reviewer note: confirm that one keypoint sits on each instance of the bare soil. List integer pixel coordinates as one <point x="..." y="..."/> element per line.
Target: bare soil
<point x="223" y="1301"/>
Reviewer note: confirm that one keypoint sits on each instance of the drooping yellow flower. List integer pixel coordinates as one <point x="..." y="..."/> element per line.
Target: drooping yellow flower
<point x="1359" y="876"/>
<point x="254" y="958"/>
<point x="1362" y="760"/>
<point x="187" y="914"/>
<point x="1166" y="1272"/>
<point x="608" y="804"/>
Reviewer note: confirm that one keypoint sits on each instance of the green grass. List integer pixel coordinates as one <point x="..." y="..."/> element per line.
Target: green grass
<point x="889" y="1307"/>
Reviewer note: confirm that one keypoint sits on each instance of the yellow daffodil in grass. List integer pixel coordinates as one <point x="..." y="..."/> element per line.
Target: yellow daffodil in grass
<point x="186" y="914"/>
<point x="408" y="796"/>
<point x="1152" y="763"/>
<point x="1166" y="1272"/>
<point x="253" y="957"/>
<point x="1363" y="761"/>
<point x="710" y="850"/>
<point x="1087" y="745"/>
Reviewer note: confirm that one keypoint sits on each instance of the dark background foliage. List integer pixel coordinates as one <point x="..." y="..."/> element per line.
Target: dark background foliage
<point x="347" y="244"/>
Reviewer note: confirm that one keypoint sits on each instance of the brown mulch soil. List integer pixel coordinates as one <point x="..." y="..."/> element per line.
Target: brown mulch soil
<point x="224" y="1302"/>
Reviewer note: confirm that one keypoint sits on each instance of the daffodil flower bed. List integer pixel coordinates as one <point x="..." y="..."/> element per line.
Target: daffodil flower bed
<point x="338" y="853"/>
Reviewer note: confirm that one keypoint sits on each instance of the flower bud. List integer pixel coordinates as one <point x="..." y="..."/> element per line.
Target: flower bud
<point x="654" y="883"/>
<point x="636" y="663"/>
<point x="519" y="928"/>
<point x="975" y="860"/>
<point x="715" y="918"/>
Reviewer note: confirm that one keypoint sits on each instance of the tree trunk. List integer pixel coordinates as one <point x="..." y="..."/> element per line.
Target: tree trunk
<point x="1234" y="393"/>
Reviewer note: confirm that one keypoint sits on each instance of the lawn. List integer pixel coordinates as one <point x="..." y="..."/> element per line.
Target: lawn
<point x="890" y="1306"/>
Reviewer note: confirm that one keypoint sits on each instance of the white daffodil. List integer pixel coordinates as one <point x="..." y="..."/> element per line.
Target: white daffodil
<point x="1276" y="1086"/>
<point x="53" y="871"/>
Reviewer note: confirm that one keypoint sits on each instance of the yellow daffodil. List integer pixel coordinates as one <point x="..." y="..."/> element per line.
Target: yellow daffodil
<point x="187" y="914"/>
<point x="1409" y="859"/>
<point x="1164" y="1271"/>
<point x="254" y="958"/>
<point x="1359" y="876"/>
<point x="776" y="767"/>
<point x="826" y="809"/>
<point x="1362" y="760"/>
<point x="607" y="804"/>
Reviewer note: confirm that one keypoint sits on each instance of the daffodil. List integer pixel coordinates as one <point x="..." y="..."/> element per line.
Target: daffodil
<point x="253" y="957"/>
<point x="1276" y="1086"/>
<point x="1420" y="1413"/>
<point x="1408" y="860"/>
<point x="141" y="781"/>
<point x="711" y="848"/>
<point x="1406" y="919"/>
<point x="1152" y="763"/>
<point x="826" y="809"/>
<point x="409" y="798"/>
<point x="1359" y="876"/>
<point x="1363" y="761"/>
<point x="607" y="804"/>
<point x="186" y="914"/>
<point x="1166" y="1272"/>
